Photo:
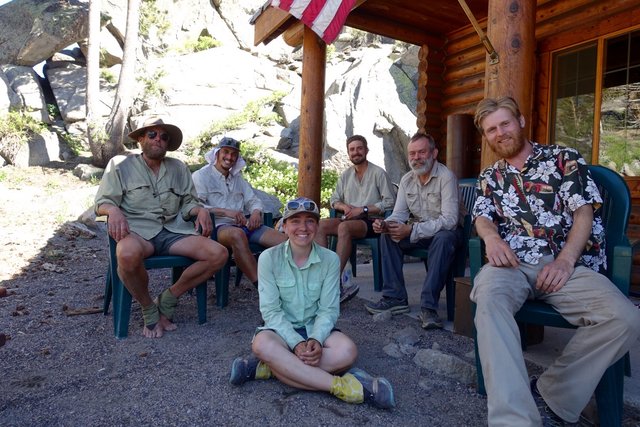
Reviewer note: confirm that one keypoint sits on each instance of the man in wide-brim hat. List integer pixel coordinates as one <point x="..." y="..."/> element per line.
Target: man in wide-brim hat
<point x="173" y="132"/>
<point x="151" y="202"/>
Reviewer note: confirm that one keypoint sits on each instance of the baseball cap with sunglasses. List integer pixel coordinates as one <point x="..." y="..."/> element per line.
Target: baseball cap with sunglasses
<point x="300" y="205"/>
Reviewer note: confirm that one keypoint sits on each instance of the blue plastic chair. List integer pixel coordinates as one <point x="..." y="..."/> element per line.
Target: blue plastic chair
<point x="467" y="189"/>
<point x="373" y="243"/>
<point x="122" y="298"/>
<point x="615" y="215"/>
<point x="222" y="276"/>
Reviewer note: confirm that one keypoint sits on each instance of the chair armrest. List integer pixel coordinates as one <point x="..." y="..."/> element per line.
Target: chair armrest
<point x="620" y="273"/>
<point x="476" y="249"/>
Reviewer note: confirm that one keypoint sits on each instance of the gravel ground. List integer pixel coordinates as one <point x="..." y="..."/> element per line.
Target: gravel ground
<point x="59" y="369"/>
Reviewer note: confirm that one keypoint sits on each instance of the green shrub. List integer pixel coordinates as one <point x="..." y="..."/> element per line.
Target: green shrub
<point x="279" y="178"/>
<point x="152" y="87"/>
<point x="151" y="16"/>
<point x="252" y="112"/>
<point x="107" y="76"/>
<point x="202" y="43"/>
<point x="18" y="126"/>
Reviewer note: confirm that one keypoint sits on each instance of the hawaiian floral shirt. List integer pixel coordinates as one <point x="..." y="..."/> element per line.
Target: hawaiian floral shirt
<point x="534" y="207"/>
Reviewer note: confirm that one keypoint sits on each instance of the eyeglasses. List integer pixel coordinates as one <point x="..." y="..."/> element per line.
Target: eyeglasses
<point x="294" y="205"/>
<point x="151" y="134"/>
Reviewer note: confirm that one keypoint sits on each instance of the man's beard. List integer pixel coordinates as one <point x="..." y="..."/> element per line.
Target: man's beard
<point x="358" y="161"/>
<point x="423" y="169"/>
<point x="153" y="152"/>
<point x="508" y="151"/>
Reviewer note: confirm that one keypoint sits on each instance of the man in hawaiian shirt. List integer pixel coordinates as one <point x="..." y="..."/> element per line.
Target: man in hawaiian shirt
<point x="537" y="212"/>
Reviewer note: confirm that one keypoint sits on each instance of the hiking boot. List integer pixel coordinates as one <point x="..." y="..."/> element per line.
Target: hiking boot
<point x="549" y="418"/>
<point x="395" y="306"/>
<point x="377" y="390"/>
<point x="243" y="370"/>
<point x="348" y="292"/>
<point x="430" y="319"/>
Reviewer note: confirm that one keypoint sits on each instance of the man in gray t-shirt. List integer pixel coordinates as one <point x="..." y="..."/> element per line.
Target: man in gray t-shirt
<point x="363" y="192"/>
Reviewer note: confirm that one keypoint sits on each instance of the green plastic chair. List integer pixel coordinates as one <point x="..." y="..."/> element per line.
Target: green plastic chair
<point x="222" y="276"/>
<point x="372" y="242"/>
<point x="467" y="189"/>
<point x="122" y="298"/>
<point x="615" y="216"/>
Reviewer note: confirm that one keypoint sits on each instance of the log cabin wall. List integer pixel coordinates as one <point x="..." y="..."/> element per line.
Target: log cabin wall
<point x="431" y="96"/>
<point x="560" y="24"/>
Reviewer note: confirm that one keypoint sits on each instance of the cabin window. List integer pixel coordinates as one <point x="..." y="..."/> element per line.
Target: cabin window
<point x="597" y="111"/>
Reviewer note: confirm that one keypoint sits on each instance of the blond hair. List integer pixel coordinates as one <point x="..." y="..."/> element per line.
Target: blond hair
<point x="490" y="105"/>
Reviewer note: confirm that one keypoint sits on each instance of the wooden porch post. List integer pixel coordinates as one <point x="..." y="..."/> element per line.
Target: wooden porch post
<point x="314" y="52"/>
<point x="511" y="29"/>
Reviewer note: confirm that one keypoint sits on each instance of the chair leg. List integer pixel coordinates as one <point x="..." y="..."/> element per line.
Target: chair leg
<point x="451" y="298"/>
<point x="222" y="285"/>
<point x="479" y="376"/>
<point x="377" y="268"/>
<point x="108" y="289"/>
<point x="609" y="395"/>
<point x="121" y="309"/>
<point x="201" y="295"/>
<point x="238" y="276"/>
<point x="353" y="258"/>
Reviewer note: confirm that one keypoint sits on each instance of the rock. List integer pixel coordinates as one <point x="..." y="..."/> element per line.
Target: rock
<point x="40" y="149"/>
<point x="446" y="365"/>
<point x="3" y="292"/>
<point x="33" y="30"/>
<point x="25" y="83"/>
<point x="407" y="336"/>
<point x="392" y="350"/>
<point x="385" y="316"/>
<point x="88" y="172"/>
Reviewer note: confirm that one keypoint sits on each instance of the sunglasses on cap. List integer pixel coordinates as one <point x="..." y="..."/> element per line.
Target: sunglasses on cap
<point x="151" y="134"/>
<point x="307" y="205"/>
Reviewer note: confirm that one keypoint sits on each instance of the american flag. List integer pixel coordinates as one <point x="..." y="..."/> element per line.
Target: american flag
<point x="324" y="17"/>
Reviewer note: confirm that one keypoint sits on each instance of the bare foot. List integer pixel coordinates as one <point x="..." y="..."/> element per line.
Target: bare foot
<point x="167" y="324"/>
<point x="156" y="332"/>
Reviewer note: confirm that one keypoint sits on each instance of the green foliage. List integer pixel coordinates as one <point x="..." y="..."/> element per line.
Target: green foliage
<point x="618" y="150"/>
<point x="152" y="87"/>
<point x="3" y="175"/>
<point x="74" y="143"/>
<point x="204" y="42"/>
<point x="254" y="111"/>
<point x="279" y="178"/>
<point x="53" y="110"/>
<point x="108" y="76"/>
<point x="17" y="126"/>
<point x="151" y="16"/>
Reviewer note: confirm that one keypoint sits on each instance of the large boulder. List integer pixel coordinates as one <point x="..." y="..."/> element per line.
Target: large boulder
<point x="363" y="97"/>
<point x="25" y="84"/>
<point x="221" y="82"/>
<point x="33" y="30"/>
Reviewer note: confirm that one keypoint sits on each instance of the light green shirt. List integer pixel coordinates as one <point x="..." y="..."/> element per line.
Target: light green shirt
<point x="293" y="297"/>
<point x="375" y="188"/>
<point x="148" y="202"/>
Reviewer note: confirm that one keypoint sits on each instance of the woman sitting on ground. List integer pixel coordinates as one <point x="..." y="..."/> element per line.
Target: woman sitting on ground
<point x="299" y="301"/>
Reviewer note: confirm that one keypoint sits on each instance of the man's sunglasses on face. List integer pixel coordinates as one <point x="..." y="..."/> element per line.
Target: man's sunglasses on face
<point x="151" y="134"/>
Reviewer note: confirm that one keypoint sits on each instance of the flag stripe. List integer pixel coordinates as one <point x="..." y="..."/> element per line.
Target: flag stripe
<point x="335" y="19"/>
<point x="324" y="17"/>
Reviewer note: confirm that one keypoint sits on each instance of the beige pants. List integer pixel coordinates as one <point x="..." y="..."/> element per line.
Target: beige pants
<point x="608" y="323"/>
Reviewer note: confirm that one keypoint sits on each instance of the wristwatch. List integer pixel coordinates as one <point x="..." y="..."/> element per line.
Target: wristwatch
<point x="365" y="210"/>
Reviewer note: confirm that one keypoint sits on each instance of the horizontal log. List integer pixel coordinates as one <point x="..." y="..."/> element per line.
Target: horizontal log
<point x="464" y="85"/>
<point x="465" y="70"/>
<point x="394" y="30"/>
<point x="470" y="98"/>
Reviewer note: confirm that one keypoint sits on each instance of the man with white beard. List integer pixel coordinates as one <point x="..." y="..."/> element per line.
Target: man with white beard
<point x="427" y="216"/>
